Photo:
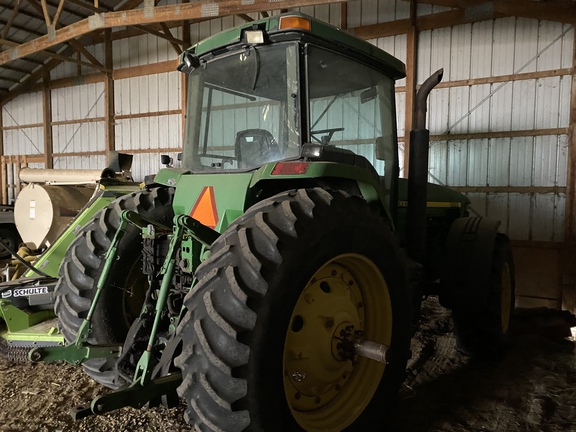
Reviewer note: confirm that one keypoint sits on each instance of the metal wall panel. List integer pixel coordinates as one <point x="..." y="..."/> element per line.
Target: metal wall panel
<point x="367" y="12"/>
<point x="80" y="162"/>
<point x="69" y="69"/>
<point x="79" y="137"/>
<point x="508" y="162"/>
<point x="149" y="133"/>
<point x="78" y="102"/>
<point x="28" y="141"/>
<point x="149" y="93"/>
<point x="396" y="46"/>
<point x="23" y="111"/>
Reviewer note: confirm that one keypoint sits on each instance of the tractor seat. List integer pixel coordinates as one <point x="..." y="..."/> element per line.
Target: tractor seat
<point x="255" y="147"/>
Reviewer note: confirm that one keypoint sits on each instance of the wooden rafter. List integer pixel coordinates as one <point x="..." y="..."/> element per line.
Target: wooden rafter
<point x="21" y="28"/>
<point x="79" y="48"/>
<point x="199" y="9"/>
<point x="10" y="20"/>
<point x="28" y="84"/>
<point x="58" y="55"/>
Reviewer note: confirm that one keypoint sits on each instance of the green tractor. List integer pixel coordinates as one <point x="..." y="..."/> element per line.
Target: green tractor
<point x="274" y="281"/>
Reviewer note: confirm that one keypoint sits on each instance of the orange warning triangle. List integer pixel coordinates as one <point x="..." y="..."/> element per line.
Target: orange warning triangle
<point x="204" y="211"/>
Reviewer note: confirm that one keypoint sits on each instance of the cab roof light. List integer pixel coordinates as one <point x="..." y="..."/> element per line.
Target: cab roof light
<point x="289" y="22"/>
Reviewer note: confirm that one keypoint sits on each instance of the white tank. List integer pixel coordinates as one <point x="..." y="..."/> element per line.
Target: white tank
<point x="42" y="211"/>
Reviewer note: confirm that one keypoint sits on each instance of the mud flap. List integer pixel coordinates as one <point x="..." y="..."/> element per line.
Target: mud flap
<point x="466" y="266"/>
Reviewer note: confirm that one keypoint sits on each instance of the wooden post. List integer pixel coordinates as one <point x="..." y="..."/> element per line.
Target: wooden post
<point x="411" y="74"/>
<point x="3" y="182"/>
<point x="568" y="255"/>
<point x="344" y="15"/>
<point x="47" y="119"/>
<point x="184" y="77"/>
<point x="3" y="198"/>
<point x="109" y="109"/>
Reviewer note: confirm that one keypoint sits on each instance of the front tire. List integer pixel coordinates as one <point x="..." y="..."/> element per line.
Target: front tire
<point x="284" y="282"/>
<point x="124" y="293"/>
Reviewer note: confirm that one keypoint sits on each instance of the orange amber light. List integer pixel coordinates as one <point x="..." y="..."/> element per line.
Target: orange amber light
<point x="288" y="22"/>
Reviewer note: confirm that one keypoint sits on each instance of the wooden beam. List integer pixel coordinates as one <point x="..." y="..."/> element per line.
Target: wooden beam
<point x="56" y="55"/>
<point x="45" y="11"/>
<point x="28" y="82"/>
<point x="21" y="28"/>
<point x="156" y="68"/>
<point x="109" y="109"/>
<point x="500" y="134"/>
<point x="79" y="48"/>
<point x="425" y="22"/>
<point x="168" y="36"/>
<point x="176" y="44"/>
<point x="245" y="17"/>
<point x="195" y="10"/>
<point x="184" y="77"/>
<point x="47" y="122"/>
<point x="59" y="11"/>
<point x="10" y="20"/>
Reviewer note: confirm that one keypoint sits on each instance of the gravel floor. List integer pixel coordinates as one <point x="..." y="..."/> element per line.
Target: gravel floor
<point x="532" y="389"/>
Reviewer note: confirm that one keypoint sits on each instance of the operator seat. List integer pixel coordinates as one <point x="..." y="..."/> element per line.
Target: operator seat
<point x="255" y="147"/>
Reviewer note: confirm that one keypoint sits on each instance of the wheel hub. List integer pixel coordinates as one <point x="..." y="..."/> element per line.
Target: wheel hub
<point x="326" y="384"/>
<point x="316" y="363"/>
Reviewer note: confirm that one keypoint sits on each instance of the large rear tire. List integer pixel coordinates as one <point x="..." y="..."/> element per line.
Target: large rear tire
<point x="481" y="333"/>
<point x="124" y="294"/>
<point x="10" y="237"/>
<point x="261" y="335"/>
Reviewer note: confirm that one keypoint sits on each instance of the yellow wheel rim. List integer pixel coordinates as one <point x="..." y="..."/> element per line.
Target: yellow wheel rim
<point x="506" y="302"/>
<point x="324" y="391"/>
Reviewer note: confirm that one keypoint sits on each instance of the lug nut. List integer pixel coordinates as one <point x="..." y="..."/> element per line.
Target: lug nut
<point x="299" y="376"/>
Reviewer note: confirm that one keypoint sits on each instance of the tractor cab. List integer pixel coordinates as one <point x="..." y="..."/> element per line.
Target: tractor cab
<point x="285" y="88"/>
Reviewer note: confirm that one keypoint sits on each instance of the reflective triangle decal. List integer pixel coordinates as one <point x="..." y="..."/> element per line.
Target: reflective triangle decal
<point x="204" y="211"/>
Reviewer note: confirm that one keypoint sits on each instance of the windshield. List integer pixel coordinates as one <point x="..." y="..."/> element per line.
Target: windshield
<point x="352" y="106"/>
<point x="243" y="110"/>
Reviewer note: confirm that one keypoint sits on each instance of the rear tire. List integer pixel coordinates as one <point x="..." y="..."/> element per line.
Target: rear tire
<point x="124" y="294"/>
<point x="281" y="282"/>
<point x="482" y="333"/>
<point x="10" y="237"/>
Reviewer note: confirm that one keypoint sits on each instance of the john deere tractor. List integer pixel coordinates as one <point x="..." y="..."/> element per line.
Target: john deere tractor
<point x="274" y="280"/>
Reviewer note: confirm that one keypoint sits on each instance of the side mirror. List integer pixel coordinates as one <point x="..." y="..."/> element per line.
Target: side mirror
<point x="166" y="160"/>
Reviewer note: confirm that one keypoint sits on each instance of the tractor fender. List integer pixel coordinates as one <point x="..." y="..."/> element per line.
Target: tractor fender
<point x="466" y="267"/>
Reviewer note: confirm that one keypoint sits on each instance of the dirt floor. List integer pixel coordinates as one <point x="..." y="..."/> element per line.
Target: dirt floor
<point x="532" y="389"/>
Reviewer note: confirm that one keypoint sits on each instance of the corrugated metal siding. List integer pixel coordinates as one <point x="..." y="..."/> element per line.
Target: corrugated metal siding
<point x="143" y="50"/>
<point x="67" y="69"/>
<point x="493" y="48"/>
<point x="146" y="94"/>
<point x="76" y="104"/>
<point x="23" y="111"/>
<point x="373" y="11"/>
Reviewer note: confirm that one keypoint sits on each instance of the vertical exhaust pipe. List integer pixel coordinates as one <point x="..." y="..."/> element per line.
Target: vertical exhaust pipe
<point x="418" y="173"/>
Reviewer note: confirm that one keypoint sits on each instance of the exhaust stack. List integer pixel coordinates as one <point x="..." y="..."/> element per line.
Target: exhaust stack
<point x="418" y="173"/>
